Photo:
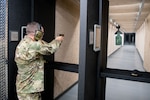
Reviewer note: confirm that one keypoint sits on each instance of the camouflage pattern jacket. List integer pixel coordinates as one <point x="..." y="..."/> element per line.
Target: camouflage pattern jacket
<point x="30" y="63"/>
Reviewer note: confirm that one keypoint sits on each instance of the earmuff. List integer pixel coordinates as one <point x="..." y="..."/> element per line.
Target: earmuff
<point x="38" y="34"/>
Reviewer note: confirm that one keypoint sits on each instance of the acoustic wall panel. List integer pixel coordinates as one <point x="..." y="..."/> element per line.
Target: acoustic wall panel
<point x="67" y="23"/>
<point x="63" y="80"/>
<point x="147" y="45"/>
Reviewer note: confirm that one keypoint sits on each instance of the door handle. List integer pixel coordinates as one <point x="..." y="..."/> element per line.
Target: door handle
<point x="97" y="37"/>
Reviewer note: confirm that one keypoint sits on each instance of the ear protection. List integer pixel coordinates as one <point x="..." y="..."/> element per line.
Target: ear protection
<point x="38" y="34"/>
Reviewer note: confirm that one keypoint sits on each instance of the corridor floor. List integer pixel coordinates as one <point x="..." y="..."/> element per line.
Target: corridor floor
<point x="126" y="58"/>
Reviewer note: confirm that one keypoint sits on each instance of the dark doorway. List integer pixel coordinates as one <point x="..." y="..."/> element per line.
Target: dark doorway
<point x="129" y="38"/>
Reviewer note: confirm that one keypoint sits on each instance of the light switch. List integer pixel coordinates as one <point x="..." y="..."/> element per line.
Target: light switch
<point x="14" y="36"/>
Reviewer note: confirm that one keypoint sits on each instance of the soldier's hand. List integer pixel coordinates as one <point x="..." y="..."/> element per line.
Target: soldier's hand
<point x="59" y="38"/>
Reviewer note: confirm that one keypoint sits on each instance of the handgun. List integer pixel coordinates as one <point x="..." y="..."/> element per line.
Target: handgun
<point x="61" y="34"/>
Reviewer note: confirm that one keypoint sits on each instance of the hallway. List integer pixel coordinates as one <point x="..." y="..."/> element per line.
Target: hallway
<point x="127" y="58"/>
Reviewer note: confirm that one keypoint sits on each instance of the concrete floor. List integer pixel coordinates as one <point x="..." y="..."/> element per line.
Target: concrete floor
<point x="72" y="94"/>
<point x="127" y="58"/>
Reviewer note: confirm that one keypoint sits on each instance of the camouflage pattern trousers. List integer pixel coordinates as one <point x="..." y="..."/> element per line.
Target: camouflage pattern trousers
<point x="29" y="96"/>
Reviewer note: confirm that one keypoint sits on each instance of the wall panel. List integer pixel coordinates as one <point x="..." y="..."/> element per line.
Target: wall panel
<point x="143" y="43"/>
<point x="147" y="45"/>
<point x="67" y="22"/>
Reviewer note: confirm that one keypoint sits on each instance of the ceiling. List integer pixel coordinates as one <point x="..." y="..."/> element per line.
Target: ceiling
<point x="129" y="14"/>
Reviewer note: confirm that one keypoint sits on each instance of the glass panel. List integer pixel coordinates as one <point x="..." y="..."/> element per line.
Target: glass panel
<point x="117" y="89"/>
<point x="131" y="54"/>
<point x="137" y="39"/>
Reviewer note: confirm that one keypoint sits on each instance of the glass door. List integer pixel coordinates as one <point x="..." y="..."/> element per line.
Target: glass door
<point x="124" y="74"/>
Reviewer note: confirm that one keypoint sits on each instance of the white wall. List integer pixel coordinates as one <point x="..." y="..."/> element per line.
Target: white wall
<point x="140" y="40"/>
<point x="143" y="43"/>
<point x="147" y="45"/>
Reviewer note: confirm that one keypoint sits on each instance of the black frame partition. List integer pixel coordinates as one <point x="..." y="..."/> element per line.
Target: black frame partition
<point x="66" y="67"/>
<point x="89" y="16"/>
<point x="19" y="14"/>
<point x="102" y="56"/>
<point x="126" y="75"/>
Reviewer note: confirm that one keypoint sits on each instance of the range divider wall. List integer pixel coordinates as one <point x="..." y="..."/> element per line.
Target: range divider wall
<point x="67" y="22"/>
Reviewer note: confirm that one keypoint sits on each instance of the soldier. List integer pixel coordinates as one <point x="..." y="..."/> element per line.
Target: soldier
<point x="30" y="63"/>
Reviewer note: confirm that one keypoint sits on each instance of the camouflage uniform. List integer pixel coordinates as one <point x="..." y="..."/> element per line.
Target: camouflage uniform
<point x="30" y="63"/>
<point x="29" y="96"/>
